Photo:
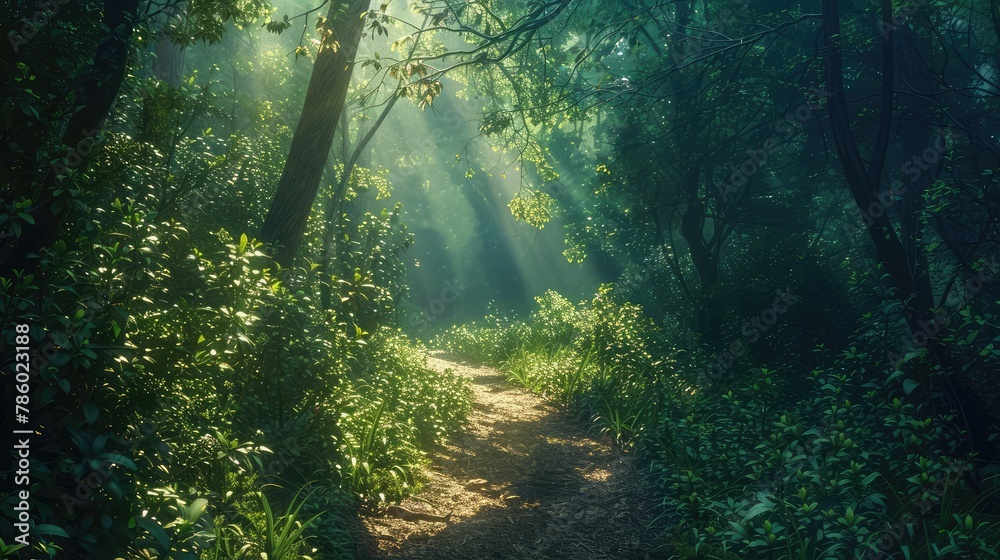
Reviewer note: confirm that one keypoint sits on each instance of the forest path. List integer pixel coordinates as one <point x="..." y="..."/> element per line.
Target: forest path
<point x="522" y="480"/>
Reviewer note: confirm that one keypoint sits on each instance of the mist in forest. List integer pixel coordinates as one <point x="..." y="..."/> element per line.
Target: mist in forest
<point x="487" y="279"/>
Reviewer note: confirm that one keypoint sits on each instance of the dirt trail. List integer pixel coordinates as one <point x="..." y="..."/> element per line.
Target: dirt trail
<point x="522" y="481"/>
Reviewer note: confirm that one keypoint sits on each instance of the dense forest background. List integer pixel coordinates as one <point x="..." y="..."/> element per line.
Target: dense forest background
<point x="755" y="242"/>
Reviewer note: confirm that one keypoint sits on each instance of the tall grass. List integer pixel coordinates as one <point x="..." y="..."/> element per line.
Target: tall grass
<point x="283" y="537"/>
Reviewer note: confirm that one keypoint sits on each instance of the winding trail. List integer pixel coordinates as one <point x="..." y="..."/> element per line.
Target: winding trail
<point x="522" y="480"/>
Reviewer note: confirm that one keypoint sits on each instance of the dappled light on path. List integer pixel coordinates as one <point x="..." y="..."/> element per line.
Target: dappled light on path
<point x="523" y="480"/>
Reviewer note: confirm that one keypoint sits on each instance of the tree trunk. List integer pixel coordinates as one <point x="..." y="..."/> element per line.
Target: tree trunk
<point x="286" y="219"/>
<point x="904" y="260"/>
<point x="704" y="252"/>
<point x="169" y="65"/>
<point x="97" y="90"/>
<point x="995" y="16"/>
<point x="704" y="257"/>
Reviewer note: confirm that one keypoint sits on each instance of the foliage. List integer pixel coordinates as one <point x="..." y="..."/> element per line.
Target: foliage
<point x="192" y="399"/>
<point x="282" y="537"/>
<point x="768" y="463"/>
<point x="187" y="388"/>
<point x="603" y="356"/>
<point x="397" y="405"/>
<point x="828" y="472"/>
<point x="491" y="341"/>
<point x="240" y="375"/>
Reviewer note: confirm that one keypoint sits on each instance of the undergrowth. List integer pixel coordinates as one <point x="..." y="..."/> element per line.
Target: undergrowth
<point x="841" y="461"/>
<point x="233" y="388"/>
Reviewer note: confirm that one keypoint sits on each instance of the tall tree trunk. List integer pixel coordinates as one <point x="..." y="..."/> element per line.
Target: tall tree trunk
<point x="704" y="253"/>
<point x="704" y="257"/>
<point x="903" y="259"/>
<point x="169" y="65"/>
<point x="97" y="90"/>
<point x="995" y="16"/>
<point x="286" y="219"/>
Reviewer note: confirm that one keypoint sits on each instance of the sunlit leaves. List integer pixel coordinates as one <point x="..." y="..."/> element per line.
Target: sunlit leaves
<point x="496" y="122"/>
<point x="362" y="180"/>
<point x="301" y="50"/>
<point x="574" y="251"/>
<point x="326" y="40"/>
<point x="424" y="91"/>
<point x="532" y="207"/>
<point x="408" y="70"/>
<point x="277" y="27"/>
<point x="399" y="44"/>
<point x="205" y="20"/>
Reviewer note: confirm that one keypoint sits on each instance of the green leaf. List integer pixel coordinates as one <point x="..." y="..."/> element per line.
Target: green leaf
<point x="195" y="510"/>
<point x="90" y="413"/>
<point x="119" y="459"/>
<point x="759" y="509"/>
<point x="909" y="385"/>
<point x="895" y="374"/>
<point x="46" y="529"/>
<point x="157" y="532"/>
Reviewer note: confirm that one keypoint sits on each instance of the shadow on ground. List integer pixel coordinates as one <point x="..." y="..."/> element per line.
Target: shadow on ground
<point x="523" y="481"/>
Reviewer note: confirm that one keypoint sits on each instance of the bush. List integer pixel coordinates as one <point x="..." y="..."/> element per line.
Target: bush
<point x="396" y="405"/>
<point x="232" y="387"/>
<point x="839" y="463"/>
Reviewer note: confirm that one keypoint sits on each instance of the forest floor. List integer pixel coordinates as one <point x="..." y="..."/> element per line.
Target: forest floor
<point x="522" y="480"/>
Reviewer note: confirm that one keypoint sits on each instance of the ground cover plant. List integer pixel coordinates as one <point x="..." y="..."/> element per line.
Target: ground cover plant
<point x="836" y="462"/>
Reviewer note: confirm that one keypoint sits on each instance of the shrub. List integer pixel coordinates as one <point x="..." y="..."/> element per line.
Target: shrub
<point x="839" y="463"/>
